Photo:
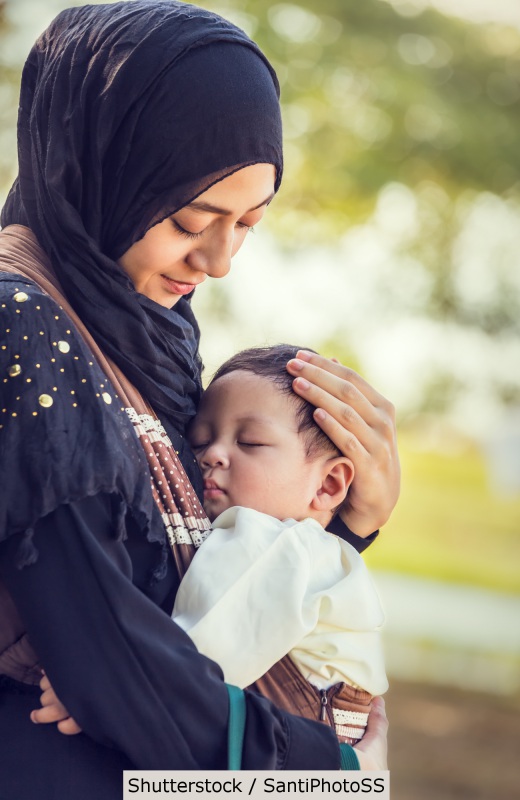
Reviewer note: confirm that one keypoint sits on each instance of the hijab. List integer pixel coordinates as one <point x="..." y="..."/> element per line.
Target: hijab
<point x="129" y="111"/>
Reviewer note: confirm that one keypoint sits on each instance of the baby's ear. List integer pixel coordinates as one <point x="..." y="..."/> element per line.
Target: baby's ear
<point x="337" y="475"/>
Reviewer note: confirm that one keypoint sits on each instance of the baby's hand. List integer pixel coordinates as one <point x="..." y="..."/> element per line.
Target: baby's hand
<point x="53" y="710"/>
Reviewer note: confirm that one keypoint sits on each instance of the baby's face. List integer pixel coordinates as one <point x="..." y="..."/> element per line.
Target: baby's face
<point x="247" y="445"/>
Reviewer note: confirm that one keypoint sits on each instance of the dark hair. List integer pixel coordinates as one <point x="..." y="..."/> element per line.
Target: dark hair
<point x="270" y="362"/>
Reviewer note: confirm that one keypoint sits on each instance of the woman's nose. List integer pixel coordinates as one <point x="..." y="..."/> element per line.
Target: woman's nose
<point x="213" y="257"/>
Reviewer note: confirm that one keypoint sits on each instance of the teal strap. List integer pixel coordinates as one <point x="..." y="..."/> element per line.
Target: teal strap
<point x="236" y="726"/>
<point x="349" y="759"/>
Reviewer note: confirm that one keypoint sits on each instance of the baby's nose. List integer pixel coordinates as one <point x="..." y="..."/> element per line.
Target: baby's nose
<point x="215" y="456"/>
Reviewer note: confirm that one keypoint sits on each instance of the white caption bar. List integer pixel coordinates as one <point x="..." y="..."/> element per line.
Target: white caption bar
<point x="139" y="784"/>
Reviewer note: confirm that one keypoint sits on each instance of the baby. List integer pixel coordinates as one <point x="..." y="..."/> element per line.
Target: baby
<point x="269" y="580"/>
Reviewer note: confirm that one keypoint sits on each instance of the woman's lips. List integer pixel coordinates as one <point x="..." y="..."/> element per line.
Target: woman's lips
<point x="176" y="287"/>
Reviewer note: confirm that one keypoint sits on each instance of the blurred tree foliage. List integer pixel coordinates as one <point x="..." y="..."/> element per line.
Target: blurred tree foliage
<point x="370" y="97"/>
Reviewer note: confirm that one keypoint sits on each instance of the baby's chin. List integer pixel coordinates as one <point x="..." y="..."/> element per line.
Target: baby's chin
<point x="213" y="509"/>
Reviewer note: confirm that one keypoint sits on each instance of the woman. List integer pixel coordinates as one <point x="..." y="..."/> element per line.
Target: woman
<point x="149" y="143"/>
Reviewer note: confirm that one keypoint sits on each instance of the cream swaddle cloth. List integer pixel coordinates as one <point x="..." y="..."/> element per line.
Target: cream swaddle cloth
<point x="259" y="588"/>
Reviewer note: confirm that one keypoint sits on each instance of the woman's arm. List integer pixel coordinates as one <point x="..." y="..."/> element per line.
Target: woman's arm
<point x="131" y="678"/>
<point x="361" y="423"/>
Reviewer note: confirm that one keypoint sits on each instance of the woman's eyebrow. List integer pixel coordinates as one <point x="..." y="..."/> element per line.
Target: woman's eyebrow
<point x="200" y="205"/>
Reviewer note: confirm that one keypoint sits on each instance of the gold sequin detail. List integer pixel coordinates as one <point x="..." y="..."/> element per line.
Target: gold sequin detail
<point x="20" y="297"/>
<point x="106" y="397"/>
<point x="45" y="400"/>
<point x="64" y="347"/>
<point x="15" y="370"/>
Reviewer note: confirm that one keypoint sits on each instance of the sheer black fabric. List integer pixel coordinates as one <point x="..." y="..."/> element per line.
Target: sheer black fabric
<point x="127" y="112"/>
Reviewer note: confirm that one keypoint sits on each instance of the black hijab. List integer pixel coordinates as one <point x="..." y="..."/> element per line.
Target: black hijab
<point x="128" y="111"/>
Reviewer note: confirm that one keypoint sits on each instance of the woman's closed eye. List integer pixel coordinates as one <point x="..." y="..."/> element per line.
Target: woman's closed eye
<point x="196" y="235"/>
<point x="184" y="232"/>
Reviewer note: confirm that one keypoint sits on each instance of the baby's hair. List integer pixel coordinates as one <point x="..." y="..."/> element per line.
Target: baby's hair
<point x="270" y="362"/>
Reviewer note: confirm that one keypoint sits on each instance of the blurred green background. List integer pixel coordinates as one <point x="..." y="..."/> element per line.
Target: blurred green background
<point x="394" y="245"/>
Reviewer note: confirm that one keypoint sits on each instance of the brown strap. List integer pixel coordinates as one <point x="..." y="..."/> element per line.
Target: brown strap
<point x="184" y="518"/>
<point x="286" y="687"/>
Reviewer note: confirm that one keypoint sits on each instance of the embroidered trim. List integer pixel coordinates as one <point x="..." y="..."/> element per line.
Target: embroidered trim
<point x="145" y="425"/>
<point x="343" y="717"/>
<point x="349" y="733"/>
<point x="181" y="512"/>
<point x="186" y="530"/>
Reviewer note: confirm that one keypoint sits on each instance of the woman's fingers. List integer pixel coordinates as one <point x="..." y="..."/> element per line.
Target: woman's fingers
<point x="345" y="404"/>
<point x="52" y="709"/>
<point x="45" y="683"/>
<point x="372" y="750"/>
<point x="334" y="367"/>
<point x="361" y="423"/>
<point x="49" y="713"/>
<point x="69" y="727"/>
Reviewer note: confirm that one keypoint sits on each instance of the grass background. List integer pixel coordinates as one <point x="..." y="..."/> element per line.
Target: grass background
<point x="449" y="523"/>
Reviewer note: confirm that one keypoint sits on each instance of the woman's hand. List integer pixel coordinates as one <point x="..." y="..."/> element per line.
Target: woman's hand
<point x="53" y="710"/>
<point x="372" y="749"/>
<point x="361" y="423"/>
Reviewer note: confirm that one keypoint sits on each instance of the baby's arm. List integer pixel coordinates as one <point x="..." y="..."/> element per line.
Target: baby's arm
<point x="53" y="710"/>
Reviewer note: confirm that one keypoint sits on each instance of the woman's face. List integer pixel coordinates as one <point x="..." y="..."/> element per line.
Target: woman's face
<point x="199" y="240"/>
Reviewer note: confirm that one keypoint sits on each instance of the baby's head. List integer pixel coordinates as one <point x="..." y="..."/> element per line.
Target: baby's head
<point x="258" y="446"/>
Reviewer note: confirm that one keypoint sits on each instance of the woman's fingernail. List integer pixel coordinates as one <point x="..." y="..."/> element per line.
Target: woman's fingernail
<point x="301" y="383"/>
<point x="304" y="355"/>
<point x="296" y="363"/>
<point x="320" y="414"/>
<point x="33" y="718"/>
